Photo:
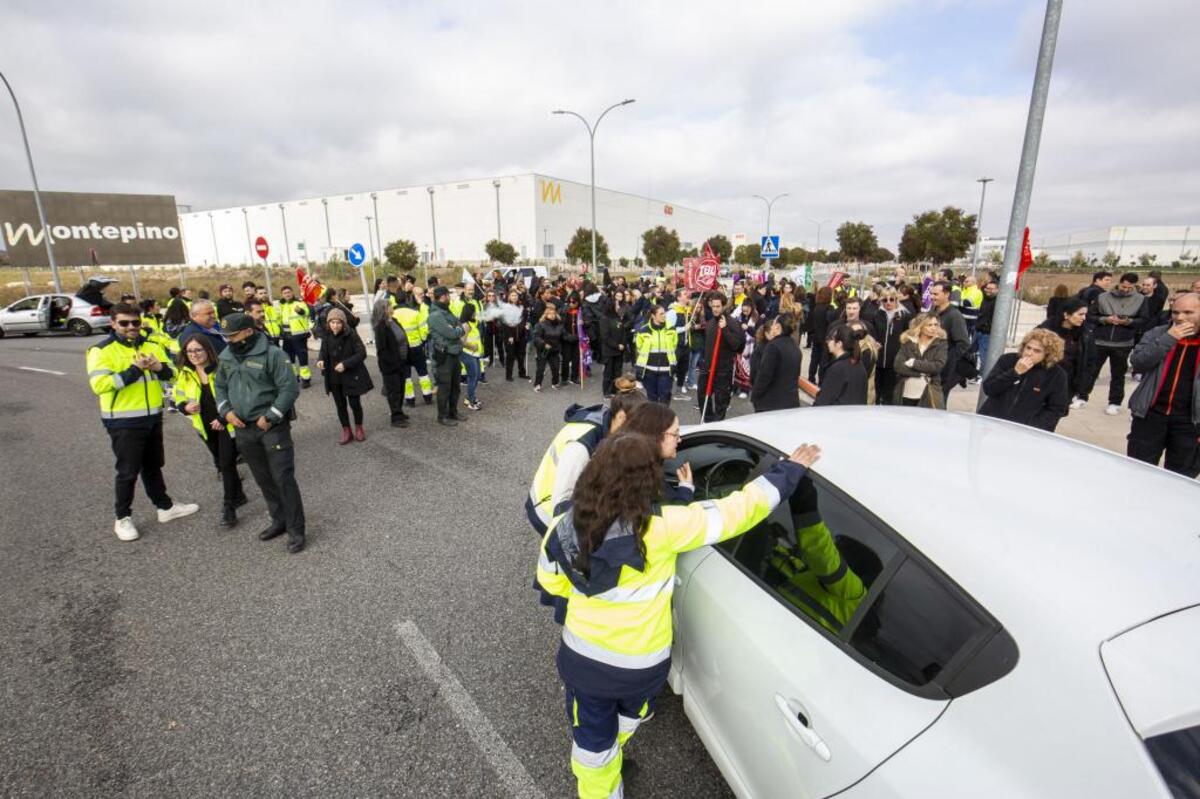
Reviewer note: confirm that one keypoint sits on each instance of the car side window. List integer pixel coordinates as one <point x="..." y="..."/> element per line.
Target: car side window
<point x="817" y="554"/>
<point x="27" y="304"/>
<point x="916" y="627"/>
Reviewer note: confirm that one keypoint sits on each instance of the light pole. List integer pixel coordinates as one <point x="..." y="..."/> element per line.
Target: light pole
<point x="591" y="129"/>
<point x="37" y="192"/>
<point x="287" y="248"/>
<point x="979" y="223"/>
<point x="770" y="203"/>
<point x="213" y="227"/>
<point x="433" y="225"/>
<point x="496" y="185"/>
<point x="328" y="234"/>
<point x="1006" y="298"/>
<point x="819" y="223"/>
<point x="371" y="244"/>
<point x="378" y="241"/>
<point x="249" y="243"/>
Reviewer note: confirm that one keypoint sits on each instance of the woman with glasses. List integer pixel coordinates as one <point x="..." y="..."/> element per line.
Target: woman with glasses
<point x="195" y="396"/>
<point x="890" y="322"/>
<point x="659" y="423"/>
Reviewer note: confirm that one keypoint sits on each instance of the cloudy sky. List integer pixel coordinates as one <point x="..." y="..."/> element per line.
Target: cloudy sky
<point x="869" y="110"/>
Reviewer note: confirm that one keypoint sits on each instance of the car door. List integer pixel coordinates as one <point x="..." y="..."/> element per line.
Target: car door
<point x="795" y="708"/>
<point x="24" y="316"/>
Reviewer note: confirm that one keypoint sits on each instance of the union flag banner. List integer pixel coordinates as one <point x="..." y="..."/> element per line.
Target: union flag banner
<point x="1026" y="258"/>
<point x="311" y="289"/>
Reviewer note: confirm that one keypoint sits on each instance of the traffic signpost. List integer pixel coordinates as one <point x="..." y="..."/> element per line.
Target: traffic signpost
<point x="357" y="255"/>
<point x="262" y="250"/>
<point x="769" y="248"/>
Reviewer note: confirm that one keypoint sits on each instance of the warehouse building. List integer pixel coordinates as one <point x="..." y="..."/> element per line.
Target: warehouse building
<point x="535" y="213"/>
<point x="1167" y="243"/>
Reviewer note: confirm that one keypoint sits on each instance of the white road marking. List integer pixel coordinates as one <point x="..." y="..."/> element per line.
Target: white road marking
<point x="512" y="774"/>
<point x="43" y="371"/>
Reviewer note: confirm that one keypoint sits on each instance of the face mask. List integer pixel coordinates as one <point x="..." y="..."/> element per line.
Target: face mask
<point x="242" y="347"/>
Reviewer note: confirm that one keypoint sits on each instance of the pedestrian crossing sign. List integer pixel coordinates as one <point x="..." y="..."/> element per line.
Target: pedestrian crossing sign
<point x="769" y="248"/>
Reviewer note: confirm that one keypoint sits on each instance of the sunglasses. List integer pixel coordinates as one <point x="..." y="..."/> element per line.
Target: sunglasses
<point x="889" y="300"/>
<point x="196" y="352"/>
<point x="128" y="323"/>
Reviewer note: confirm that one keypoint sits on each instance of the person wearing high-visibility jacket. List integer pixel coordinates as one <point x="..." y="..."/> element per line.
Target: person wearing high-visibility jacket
<point x="677" y="317"/>
<point x="614" y="564"/>
<point x="414" y="318"/>
<point x="571" y="449"/>
<point x="294" y="326"/>
<point x="656" y="345"/>
<point x="126" y="372"/>
<point x="195" y="396"/>
<point x="271" y="323"/>
<point x="152" y="326"/>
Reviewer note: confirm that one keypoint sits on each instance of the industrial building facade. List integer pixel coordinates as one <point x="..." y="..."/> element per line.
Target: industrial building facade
<point x="535" y="213"/>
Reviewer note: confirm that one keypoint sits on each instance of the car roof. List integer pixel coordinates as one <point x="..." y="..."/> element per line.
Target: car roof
<point x="1032" y="524"/>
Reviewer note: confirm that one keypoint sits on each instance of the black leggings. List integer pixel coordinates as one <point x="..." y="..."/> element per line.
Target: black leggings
<point x="340" y="399"/>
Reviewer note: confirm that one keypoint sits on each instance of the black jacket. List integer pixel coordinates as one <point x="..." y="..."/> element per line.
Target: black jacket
<point x="548" y="334"/>
<point x="844" y="383"/>
<point x="1080" y="349"/>
<point x="732" y="342"/>
<point x="612" y="336"/>
<point x="391" y="355"/>
<point x="776" y="375"/>
<point x="983" y="322"/>
<point x="226" y="307"/>
<point x="887" y="333"/>
<point x="957" y="343"/>
<point x="348" y="350"/>
<point x="822" y="314"/>
<point x="1038" y="398"/>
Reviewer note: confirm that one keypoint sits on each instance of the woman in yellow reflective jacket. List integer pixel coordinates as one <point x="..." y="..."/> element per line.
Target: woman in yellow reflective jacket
<point x="195" y="397"/>
<point x="611" y="556"/>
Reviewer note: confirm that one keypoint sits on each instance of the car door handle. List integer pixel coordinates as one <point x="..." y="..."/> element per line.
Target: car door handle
<point x="797" y="719"/>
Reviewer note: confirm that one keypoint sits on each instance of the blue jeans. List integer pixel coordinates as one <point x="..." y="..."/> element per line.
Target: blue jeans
<point x="693" y="365"/>
<point x="471" y="362"/>
<point x="658" y="386"/>
<point x="980" y="346"/>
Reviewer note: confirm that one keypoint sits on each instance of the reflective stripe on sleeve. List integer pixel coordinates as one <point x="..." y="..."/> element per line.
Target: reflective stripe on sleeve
<point x="100" y="372"/>
<point x="275" y="411"/>
<point x="609" y="658"/>
<point x="641" y="593"/>
<point x="767" y="487"/>
<point x="545" y="564"/>
<point x="716" y="524"/>
<point x="133" y="414"/>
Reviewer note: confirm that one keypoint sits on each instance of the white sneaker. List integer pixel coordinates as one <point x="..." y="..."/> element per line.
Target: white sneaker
<point x="1079" y="403"/>
<point x="1113" y="410"/>
<point x="743" y="395"/>
<point x="125" y="530"/>
<point x="682" y="391"/>
<point x="177" y="511"/>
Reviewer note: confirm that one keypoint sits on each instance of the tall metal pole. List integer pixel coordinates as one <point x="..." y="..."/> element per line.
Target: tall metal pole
<point x="37" y="192"/>
<point x="770" y="203"/>
<point x="819" y="223"/>
<point x="133" y="276"/>
<point x="249" y="242"/>
<point x="979" y="224"/>
<point x="378" y="240"/>
<point x="371" y="244"/>
<point x="328" y="233"/>
<point x="28" y="284"/>
<point x="1006" y="299"/>
<point x="287" y="248"/>
<point x="496" y="184"/>
<point x="433" y="226"/>
<point x="213" y="227"/>
<point x="591" y="129"/>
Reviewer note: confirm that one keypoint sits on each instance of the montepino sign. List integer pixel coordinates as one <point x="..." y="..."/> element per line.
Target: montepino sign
<point x="125" y="229"/>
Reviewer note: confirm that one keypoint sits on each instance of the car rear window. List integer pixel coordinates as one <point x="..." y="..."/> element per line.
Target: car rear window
<point x="1177" y="756"/>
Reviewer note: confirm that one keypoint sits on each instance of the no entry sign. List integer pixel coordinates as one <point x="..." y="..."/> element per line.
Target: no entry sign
<point x="261" y="248"/>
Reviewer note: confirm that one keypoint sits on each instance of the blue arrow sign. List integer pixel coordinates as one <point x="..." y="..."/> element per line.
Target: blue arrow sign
<point x="769" y="247"/>
<point x="357" y="254"/>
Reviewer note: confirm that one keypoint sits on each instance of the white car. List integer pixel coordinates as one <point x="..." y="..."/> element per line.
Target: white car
<point x="1029" y="624"/>
<point x="79" y="315"/>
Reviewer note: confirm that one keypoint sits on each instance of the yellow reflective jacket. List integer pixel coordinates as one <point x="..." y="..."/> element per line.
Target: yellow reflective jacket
<point x="617" y="630"/>
<point x="587" y="426"/>
<point x="188" y="388"/>
<point x="294" y="318"/>
<point x="415" y="322"/>
<point x="656" y="341"/>
<point x="129" y="396"/>
<point x="271" y="320"/>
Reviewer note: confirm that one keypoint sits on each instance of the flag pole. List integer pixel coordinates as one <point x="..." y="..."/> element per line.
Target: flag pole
<point x="712" y="370"/>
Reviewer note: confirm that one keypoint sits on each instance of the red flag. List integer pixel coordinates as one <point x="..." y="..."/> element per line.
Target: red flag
<point x="1026" y="258"/>
<point x="310" y="288"/>
<point x="708" y="253"/>
<point x="700" y="274"/>
<point x="836" y="279"/>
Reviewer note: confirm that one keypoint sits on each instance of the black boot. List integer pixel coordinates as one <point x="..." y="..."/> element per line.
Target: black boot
<point x="229" y="516"/>
<point x="296" y="544"/>
<point x="270" y="532"/>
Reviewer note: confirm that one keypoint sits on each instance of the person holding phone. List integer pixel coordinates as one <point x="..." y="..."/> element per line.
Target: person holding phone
<point x="1166" y="404"/>
<point x="127" y="373"/>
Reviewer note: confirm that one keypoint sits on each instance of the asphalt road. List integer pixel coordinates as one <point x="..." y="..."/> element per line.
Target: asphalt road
<point x="403" y="653"/>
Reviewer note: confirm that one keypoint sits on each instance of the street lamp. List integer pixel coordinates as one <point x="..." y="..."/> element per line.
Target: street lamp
<point x="378" y="241"/>
<point x="328" y="234"/>
<point x="213" y="227"/>
<point x="371" y="243"/>
<point x="249" y="243"/>
<point x="591" y="129"/>
<point x="433" y="224"/>
<point x="979" y="223"/>
<point x="496" y="184"/>
<point x="770" y="203"/>
<point x="819" y="223"/>
<point x="287" y="250"/>
<point x="37" y="192"/>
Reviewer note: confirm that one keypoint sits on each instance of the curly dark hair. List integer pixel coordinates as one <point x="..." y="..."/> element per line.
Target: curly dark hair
<point x="621" y="483"/>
